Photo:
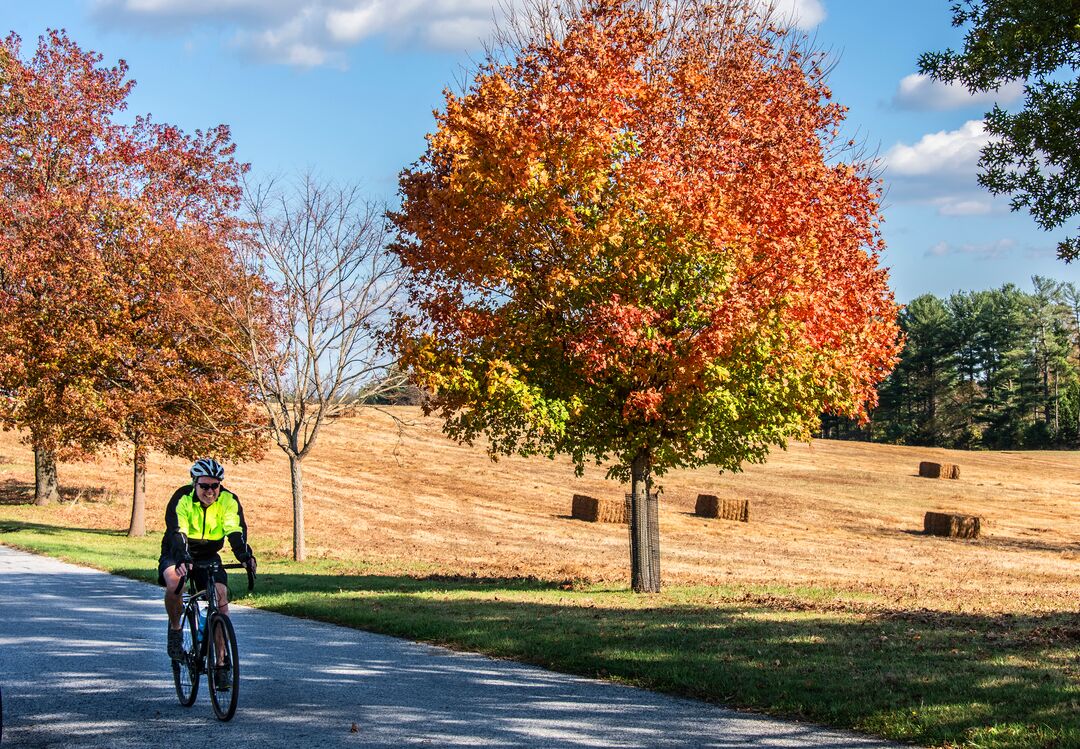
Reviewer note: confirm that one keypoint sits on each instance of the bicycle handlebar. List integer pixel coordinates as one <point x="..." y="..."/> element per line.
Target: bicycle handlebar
<point x="211" y="565"/>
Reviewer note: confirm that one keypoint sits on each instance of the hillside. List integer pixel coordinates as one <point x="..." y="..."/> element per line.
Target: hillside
<point x="841" y="516"/>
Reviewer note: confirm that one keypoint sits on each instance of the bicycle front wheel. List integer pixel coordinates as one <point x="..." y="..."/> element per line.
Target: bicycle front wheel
<point x="223" y="676"/>
<point x="186" y="672"/>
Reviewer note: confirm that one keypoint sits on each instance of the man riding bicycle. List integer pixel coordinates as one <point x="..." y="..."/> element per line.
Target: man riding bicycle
<point x="198" y="519"/>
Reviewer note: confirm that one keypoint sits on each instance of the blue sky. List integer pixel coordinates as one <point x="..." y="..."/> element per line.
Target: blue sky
<point x="346" y="88"/>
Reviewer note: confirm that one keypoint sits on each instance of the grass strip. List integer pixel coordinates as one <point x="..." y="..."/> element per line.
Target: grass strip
<point x="950" y="680"/>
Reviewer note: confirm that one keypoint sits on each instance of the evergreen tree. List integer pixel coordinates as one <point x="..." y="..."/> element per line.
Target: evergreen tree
<point x="1048" y="362"/>
<point x="968" y="341"/>
<point x="1005" y="325"/>
<point x="927" y="375"/>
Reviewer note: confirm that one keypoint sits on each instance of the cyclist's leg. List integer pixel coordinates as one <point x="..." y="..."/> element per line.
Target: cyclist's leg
<point x="174" y="602"/>
<point x="223" y="598"/>
<point x="221" y="577"/>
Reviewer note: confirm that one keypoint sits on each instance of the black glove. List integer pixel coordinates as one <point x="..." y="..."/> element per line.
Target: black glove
<point x="184" y="560"/>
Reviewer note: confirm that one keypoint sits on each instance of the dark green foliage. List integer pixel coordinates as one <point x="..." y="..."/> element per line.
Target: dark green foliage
<point x="1033" y="154"/>
<point x="993" y="369"/>
<point x="927" y="372"/>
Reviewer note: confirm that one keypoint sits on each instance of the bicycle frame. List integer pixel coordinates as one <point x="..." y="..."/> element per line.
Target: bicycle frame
<point x="219" y="662"/>
<point x="192" y="597"/>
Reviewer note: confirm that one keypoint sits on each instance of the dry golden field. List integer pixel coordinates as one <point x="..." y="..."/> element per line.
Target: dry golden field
<point x="835" y="515"/>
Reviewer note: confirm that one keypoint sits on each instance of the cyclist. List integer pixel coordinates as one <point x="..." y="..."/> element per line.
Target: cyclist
<point x="198" y="519"/>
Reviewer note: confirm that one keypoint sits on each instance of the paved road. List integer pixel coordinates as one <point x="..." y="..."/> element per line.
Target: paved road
<point x="91" y="671"/>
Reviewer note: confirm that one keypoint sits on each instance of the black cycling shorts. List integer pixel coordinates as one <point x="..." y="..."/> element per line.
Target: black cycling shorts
<point x="198" y="575"/>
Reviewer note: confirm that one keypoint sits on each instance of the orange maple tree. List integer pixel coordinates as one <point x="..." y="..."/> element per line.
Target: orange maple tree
<point x="103" y="228"/>
<point x="633" y="240"/>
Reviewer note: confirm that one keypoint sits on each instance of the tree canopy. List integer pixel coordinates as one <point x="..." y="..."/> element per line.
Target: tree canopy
<point x="633" y="240"/>
<point x="104" y="228"/>
<point x="1033" y="153"/>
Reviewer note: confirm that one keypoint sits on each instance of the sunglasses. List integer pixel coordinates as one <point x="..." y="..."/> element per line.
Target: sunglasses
<point x="208" y="487"/>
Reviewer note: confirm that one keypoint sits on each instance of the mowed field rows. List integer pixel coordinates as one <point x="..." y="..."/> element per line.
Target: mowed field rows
<point x="841" y="517"/>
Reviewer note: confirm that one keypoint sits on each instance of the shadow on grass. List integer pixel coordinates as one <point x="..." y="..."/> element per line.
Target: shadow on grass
<point x="916" y="676"/>
<point x="986" y="539"/>
<point x="920" y="676"/>
<point x="15" y="492"/>
<point x="15" y="526"/>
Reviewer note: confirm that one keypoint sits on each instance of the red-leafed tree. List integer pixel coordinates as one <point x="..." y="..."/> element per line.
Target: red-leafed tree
<point x="104" y="231"/>
<point x="633" y="239"/>
<point x="166" y="387"/>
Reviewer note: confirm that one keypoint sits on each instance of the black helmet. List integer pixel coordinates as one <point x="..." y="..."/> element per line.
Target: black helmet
<point x="207" y="467"/>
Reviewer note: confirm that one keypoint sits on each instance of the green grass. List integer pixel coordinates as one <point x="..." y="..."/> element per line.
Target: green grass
<point x="928" y="678"/>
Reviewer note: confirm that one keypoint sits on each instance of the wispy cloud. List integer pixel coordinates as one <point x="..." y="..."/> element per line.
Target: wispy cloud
<point x="953" y="205"/>
<point x="985" y="251"/>
<point x="920" y="92"/>
<point x="318" y="32"/>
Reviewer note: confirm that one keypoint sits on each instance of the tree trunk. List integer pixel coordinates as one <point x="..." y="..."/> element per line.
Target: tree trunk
<point x="644" y="528"/>
<point x="299" y="550"/>
<point x="138" y="495"/>
<point x="46" y="486"/>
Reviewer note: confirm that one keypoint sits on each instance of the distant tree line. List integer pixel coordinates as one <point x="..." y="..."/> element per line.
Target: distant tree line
<point x="996" y="369"/>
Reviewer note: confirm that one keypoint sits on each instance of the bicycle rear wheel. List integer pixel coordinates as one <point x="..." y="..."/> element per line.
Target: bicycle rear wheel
<point x="186" y="672"/>
<point x="223" y="681"/>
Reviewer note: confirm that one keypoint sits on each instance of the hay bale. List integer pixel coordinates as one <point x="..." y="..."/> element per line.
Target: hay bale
<point x="939" y="470"/>
<point x="598" y="510"/>
<point x="709" y="506"/>
<point x="951" y="525"/>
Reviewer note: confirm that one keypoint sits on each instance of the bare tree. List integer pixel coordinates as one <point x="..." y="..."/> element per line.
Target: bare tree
<point x="311" y="328"/>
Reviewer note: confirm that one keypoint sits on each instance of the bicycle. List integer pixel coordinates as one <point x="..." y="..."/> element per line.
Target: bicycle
<point x="206" y="637"/>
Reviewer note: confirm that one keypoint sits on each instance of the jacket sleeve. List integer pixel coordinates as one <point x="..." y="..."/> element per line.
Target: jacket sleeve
<point x="236" y="532"/>
<point x="174" y="543"/>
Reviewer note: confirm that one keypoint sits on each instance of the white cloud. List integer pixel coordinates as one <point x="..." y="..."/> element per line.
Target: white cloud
<point x="298" y="41"/>
<point x="353" y="24"/>
<point x="443" y="24"/>
<point x="918" y="91"/>
<point x="804" y="14"/>
<point x="167" y="15"/>
<point x="457" y="32"/>
<point x="948" y="152"/>
<point x="941" y="170"/>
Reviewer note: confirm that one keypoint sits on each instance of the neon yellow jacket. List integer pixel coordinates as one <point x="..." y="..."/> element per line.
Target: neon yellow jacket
<point x="191" y="528"/>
